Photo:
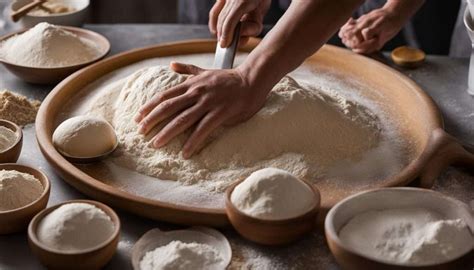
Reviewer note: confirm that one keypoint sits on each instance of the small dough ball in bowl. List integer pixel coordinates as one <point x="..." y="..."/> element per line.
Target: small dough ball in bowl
<point x="84" y="136"/>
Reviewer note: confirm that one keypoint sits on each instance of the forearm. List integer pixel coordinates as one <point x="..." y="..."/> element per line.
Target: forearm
<point x="302" y="30"/>
<point x="404" y="8"/>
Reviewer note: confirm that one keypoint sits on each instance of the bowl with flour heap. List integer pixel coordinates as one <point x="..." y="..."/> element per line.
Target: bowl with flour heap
<point x="75" y="231"/>
<point x="46" y="53"/>
<point x="401" y="228"/>
<point x="24" y="191"/>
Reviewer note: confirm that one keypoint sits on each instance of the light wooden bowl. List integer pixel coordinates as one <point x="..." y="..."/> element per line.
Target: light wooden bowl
<point x="93" y="258"/>
<point x="272" y="232"/>
<point x="408" y="57"/>
<point x="11" y="154"/>
<point x="54" y="75"/>
<point x="389" y="198"/>
<point x="17" y="220"/>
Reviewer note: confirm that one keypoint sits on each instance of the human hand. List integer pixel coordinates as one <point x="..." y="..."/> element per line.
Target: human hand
<point x="225" y="14"/>
<point x="205" y="101"/>
<point x="371" y="31"/>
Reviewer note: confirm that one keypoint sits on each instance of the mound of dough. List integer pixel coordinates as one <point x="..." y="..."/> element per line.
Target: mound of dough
<point x="301" y="130"/>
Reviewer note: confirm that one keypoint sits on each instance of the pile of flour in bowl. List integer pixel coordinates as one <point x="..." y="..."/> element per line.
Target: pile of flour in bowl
<point x="301" y="130"/>
<point x="48" y="46"/>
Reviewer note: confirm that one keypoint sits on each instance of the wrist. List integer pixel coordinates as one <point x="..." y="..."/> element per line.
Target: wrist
<point x="255" y="77"/>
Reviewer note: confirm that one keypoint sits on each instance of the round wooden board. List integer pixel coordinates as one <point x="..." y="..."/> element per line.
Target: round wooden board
<point x="403" y="99"/>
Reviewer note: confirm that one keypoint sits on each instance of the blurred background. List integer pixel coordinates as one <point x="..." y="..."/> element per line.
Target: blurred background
<point x="431" y="29"/>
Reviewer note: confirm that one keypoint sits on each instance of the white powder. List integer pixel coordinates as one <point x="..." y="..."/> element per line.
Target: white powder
<point x="7" y="138"/>
<point x="47" y="45"/>
<point x="412" y="236"/>
<point x="75" y="227"/>
<point x="272" y="194"/>
<point x="300" y="130"/>
<point x="18" y="189"/>
<point x="181" y="256"/>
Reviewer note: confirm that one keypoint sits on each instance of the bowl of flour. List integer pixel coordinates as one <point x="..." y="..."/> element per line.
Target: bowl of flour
<point x="393" y="228"/>
<point x="47" y="53"/>
<point x="61" y="12"/>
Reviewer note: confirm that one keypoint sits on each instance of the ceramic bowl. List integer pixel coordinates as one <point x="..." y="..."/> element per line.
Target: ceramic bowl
<point x="54" y="75"/>
<point x="272" y="232"/>
<point x="11" y="154"/>
<point x="93" y="258"/>
<point x="389" y="198"/>
<point x="75" y="18"/>
<point x="17" y="220"/>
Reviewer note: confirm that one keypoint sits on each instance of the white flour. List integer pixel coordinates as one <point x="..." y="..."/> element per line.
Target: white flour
<point x="412" y="236"/>
<point x="47" y="45"/>
<point x="301" y="130"/>
<point x="181" y="256"/>
<point x="75" y="227"/>
<point x="272" y="194"/>
<point x="7" y="138"/>
<point x="18" y="189"/>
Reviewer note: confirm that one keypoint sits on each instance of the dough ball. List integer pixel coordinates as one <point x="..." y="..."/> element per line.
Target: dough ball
<point x="84" y="136"/>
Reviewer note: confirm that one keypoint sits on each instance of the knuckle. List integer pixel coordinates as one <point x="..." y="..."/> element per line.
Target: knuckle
<point x="197" y="91"/>
<point x="165" y="105"/>
<point x="182" y="120"/>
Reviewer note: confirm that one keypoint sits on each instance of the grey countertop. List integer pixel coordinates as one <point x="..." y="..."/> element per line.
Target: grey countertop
<point x="444" y="79"/>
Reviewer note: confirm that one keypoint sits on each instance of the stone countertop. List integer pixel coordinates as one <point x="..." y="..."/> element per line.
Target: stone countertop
<point x="443" y="78"/>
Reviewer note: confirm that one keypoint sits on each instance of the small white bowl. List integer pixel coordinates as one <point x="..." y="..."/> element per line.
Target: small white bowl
<point x="75" y="18"/>
<point x="390" y="198"/>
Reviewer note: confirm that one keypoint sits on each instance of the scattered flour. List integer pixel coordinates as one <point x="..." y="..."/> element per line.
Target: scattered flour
<point x="47" y="45"/>
<point x="7" y="138"/>
<point x="301" y="130"/>
<point x="272" y="194"/>
<point x="75" y="227"/>
<point x="181" y="256"/>
<point x="18" y="189"/>
<point x="412" y="236"/>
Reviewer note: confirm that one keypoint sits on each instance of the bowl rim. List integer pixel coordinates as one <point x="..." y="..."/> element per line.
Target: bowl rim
<point x="330" y="230"/>
<point x="73" y="29"/>
<point x="46" y="185"/>
<point x="229" y="206"/>
<point x="18" y="132"/>
<point x="32" y="234"/>
<point x="57" y="15"/>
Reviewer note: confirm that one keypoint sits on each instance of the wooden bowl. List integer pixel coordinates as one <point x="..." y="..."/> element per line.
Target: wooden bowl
<point x="11" y="154"/>
<point x="54" y="75"/>
<point x="93" y="258"/>
<point x="268" y="231"/>
<point x="408" y="57"/>
<point x="17" y="220"/>
<point x="389" y="198"/>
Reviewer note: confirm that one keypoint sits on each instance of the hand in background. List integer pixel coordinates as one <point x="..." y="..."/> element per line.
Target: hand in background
<point x="225" y="14"/>
<point x="370" y="32"/>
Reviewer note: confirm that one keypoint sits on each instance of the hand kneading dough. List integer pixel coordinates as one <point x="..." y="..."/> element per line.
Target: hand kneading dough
<point x="84" y="136"/>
